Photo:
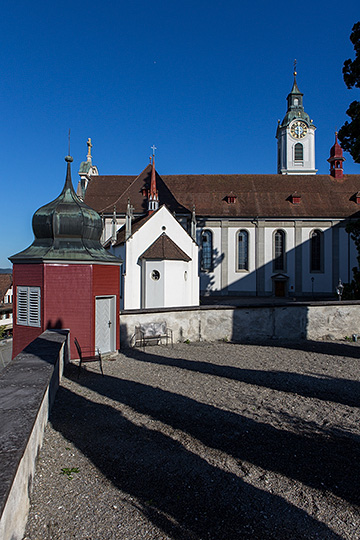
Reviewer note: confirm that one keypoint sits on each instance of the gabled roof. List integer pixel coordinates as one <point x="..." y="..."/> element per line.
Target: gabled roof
<point x="165" y="249"/>
<point x="256" y="195"/>
<point x="135" y="226"/>
<point x="105" y="192"/>
<point x="5" y="284"/>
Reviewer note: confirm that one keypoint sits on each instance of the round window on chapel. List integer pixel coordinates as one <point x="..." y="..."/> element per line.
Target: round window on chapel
<point x="155" y="275"/>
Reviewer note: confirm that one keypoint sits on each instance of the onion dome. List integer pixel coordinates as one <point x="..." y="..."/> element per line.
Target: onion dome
<point x="66" y="229"/>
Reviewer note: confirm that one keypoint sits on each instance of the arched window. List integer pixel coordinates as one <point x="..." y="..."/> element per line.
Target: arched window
<point x="243" y="250"/>
<point x="206" y="250"/>
<point x="279" y="251"/>
<point x="316" y="251"/>
<point x="299" y="152"/>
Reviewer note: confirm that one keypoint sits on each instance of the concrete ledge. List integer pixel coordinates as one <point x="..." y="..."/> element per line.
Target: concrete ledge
<point x="250" y="322"/>
<point x="27" y="390"/>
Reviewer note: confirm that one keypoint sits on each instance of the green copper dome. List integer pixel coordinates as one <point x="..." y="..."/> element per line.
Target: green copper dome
<point x="295" y="108"/>
<point x="66" y="229"/>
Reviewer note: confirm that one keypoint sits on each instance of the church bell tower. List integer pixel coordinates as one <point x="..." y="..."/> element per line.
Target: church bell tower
<point x="296" y="137"/>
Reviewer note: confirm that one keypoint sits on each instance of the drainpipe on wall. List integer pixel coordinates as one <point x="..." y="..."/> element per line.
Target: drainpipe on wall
<point x="255" y="222"/>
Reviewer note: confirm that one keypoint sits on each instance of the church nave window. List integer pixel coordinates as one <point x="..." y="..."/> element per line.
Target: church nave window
<point x="206" y="251"/>
<point x="316" y="251"/>
<point x="279" y="251"/>
<point x="243" y="250"/>
<point x="299" y="152"/>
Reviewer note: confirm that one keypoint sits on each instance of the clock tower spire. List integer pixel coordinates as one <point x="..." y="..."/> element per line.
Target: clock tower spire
<point x="296" y="136"/>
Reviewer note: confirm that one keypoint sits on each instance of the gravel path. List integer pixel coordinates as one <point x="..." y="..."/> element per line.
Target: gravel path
<point x="205" y="441"/>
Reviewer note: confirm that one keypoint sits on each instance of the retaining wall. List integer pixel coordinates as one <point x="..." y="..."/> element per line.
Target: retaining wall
<point x="250" y="323"/>
<point x="27" y="390"/>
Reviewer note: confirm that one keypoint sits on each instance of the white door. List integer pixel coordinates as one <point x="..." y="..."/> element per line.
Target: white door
<point x="154" y="280"/>
<point x="105" y="323"/>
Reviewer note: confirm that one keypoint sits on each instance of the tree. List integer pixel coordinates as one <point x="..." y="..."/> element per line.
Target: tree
<point x="349" y="134"/>
<point x="352" y="290"/>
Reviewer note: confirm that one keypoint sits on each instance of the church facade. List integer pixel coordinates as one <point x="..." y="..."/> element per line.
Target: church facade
<point x="258" y="235"/>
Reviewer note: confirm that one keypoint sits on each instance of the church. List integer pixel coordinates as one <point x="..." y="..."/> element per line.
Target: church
<point x="271" y="235"/>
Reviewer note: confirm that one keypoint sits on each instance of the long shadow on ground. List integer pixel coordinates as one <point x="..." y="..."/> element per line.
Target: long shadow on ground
<point x="339" y="390"/>
<point x="325" y="462"/>
<point x="179" y="491"/>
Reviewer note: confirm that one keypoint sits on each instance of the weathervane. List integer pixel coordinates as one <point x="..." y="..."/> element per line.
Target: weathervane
<point x="295" y="62"/>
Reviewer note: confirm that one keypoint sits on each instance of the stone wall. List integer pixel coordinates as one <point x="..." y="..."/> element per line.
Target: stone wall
<point x="250" y="323"/>
<point x="27" y="389"/>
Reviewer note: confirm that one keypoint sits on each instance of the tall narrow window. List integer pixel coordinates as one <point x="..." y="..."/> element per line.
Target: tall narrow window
<point x="28" y="306"/>
<point x="299" y="152"/>
<point x="243" y="250"/>
<point x="206" y="250"/>
<point x="316" y="251"/>
<point x="279" y="250"/>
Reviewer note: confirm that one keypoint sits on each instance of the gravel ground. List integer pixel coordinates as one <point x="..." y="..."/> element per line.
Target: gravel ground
<point x="204" y="441"/>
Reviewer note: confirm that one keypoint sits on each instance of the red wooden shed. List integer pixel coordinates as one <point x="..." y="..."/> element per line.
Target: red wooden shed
<point x="66" y="279"/>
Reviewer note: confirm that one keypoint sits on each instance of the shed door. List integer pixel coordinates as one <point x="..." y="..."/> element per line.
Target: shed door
<point x="105" y="323"/>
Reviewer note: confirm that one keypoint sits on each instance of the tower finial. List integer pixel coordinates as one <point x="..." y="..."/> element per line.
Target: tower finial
<point x="69" y="142"/>
<point x="295" y="63"/>
<point x="153" y="148"/>
<point x="89" y="145"/>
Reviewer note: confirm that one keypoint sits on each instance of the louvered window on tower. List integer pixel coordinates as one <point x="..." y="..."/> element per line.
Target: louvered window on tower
<point x="299" y="152"/>
<point x="28" y="306"/>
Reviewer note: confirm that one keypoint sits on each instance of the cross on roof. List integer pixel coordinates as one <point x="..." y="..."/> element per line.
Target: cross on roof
<point x="153" y="148"/>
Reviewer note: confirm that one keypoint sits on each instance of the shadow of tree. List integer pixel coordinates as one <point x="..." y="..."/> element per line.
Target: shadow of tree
<point x="345" y="391"/>
<point x="323" y="462"/>
<point x="179" y="491"/>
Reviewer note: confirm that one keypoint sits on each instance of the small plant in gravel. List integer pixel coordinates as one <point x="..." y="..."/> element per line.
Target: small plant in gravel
<point x="69" y="472"/>
<point x="187" y="341"/>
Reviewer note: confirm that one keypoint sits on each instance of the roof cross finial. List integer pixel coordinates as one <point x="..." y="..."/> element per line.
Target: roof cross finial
<point x="295" y="63"/>
<point x="89" y="145"/>
<point x="153" y="148"/>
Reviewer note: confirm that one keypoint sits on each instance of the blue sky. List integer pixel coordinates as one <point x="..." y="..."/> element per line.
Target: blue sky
<point x="204" y="81"/>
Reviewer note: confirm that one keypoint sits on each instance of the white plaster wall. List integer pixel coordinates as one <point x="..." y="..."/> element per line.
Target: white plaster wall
<point x="309" y="152"/>
<point x="241" y="281"/>
<point x="213" y="278"/>
<point x="322" y="280"/>
<point x="141" y="240"/>
<point x="290" y="256"/>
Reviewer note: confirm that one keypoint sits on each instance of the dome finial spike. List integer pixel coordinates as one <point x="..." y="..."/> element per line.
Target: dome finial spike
<point x="295" y="63"/>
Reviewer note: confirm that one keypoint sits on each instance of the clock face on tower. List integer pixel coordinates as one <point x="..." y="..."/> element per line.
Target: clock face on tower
<point x="298" y="129"/>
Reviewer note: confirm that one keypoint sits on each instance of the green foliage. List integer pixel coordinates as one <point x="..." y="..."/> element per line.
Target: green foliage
<point x="2" y="332"/>
<point x="69" y="472"/>
<point x="349" y="134"/>
<point x="352" y="290"/>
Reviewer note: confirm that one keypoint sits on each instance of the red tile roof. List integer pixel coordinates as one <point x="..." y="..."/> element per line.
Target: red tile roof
<point x="165" y="249"/>
<point x="256" y="195"/>
<point x="5" y="284"/>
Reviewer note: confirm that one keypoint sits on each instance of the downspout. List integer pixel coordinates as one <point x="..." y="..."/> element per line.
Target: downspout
<point x="255" y="222"/>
